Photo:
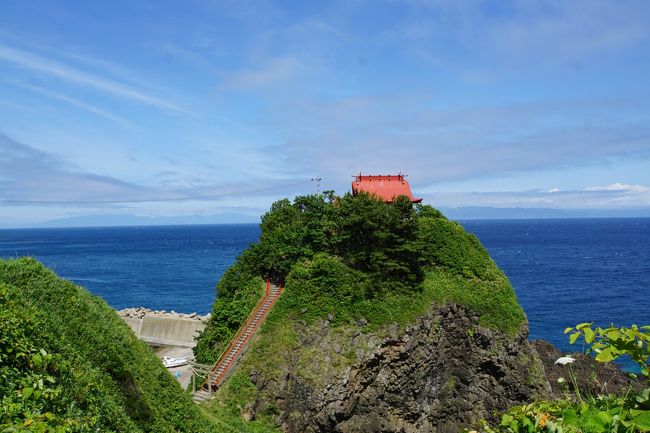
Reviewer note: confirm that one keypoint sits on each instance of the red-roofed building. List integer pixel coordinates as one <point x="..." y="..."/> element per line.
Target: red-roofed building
<point x="386" y="187"/>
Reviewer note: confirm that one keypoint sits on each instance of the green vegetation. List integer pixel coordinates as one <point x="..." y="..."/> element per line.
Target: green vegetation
<point x="227" y="411"/>
<point x="492" y="299"/>
<point x="356" y="264"/>
<point x="576" y="413"/>
<point x="356" y="257"/>
<point x="68" y="363"/>
<point x="611" y="343"/>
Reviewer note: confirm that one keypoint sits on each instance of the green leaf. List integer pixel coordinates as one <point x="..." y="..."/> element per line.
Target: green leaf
<point x="612" y="333"/>
<point x="581" y="326"/>
<point x="605" y="417"/>
<point x="573" y="337"/>
<point x="605" y="355"/>
<point x="27" y="392"/>
<point x="570" y="417"/>
<point x="589" y="335"/>
<point x="567" y="330"/>
<point x="642" y="420"/>
<point x="593" y="422"/>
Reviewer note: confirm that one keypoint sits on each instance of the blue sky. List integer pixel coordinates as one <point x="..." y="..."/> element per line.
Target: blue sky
<point x="135" y="107"/>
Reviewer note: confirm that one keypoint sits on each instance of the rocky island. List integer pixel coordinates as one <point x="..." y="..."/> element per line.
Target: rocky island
<point x="393" y="319"/>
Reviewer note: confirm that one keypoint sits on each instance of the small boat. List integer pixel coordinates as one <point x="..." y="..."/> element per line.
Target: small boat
<point x="170" y="362"/>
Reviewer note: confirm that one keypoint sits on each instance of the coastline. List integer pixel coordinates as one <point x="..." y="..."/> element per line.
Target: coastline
<point x="171" y="336"/>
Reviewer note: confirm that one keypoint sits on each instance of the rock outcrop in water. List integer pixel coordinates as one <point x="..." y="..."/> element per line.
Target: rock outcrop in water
<point x="393" y="319"/>
<point x="592" y="378"/>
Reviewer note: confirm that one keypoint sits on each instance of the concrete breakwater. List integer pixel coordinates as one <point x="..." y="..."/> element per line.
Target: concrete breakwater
<point x="170" y="333"/>
<point x="162" y="328"/>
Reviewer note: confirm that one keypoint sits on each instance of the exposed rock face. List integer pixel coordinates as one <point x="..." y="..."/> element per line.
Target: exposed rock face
<point x="442" y="373"/>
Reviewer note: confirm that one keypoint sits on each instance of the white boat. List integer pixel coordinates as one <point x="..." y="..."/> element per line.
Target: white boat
<point x="170" y="362"/>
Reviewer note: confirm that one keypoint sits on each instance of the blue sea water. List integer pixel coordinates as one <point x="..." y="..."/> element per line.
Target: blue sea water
<point x="564" y="271"/>
<point x="159" y="267"/>
<point x="568" y="271"/>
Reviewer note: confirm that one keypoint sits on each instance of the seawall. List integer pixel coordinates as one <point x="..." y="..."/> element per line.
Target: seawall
<point x="160" y="328"/>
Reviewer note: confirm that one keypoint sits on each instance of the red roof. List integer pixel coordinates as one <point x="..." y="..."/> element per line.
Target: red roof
<point x="386" y="187"/>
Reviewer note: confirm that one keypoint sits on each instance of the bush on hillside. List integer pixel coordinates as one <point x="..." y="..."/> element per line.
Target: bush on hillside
<point x="79" y="366"/>
<point x="447" y="244"/>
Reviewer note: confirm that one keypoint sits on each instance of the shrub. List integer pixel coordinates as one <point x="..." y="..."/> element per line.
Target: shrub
<point x="629" y="413"/>
<point x="80" y="367"/>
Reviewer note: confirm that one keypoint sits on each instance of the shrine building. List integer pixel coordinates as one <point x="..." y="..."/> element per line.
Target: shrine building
<point x="385" y="187"/>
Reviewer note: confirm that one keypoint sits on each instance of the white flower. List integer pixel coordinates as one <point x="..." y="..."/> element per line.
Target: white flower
<point x="560" y="380"/>
<point x="564" y="360"/>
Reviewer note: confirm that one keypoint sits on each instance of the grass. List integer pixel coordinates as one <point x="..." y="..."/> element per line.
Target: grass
<point x="494" y="300"/>
<point x="110" y="373"/>
<point x="231" y="401"/>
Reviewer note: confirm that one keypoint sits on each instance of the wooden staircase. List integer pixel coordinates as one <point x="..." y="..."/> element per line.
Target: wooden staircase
<point x="227" y="360"/>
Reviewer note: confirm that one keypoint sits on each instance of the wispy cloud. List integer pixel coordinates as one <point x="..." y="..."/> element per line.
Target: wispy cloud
<point x="30" y="176"/>
<point x="620" y="187"/>
<point x="76" y="76"/>
<point x="544" y="32"/>
<point x="274" y="71"/>
<point x="76" y="102"/>
<point x="342" y="137"/>
<point x="571" y="30"/>
<point x="614" y="196"/>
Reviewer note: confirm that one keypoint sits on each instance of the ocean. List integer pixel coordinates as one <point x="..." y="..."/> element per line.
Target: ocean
<point x="564" y="271"/>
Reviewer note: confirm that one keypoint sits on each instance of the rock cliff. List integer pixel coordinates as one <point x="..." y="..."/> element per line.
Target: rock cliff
<point x="440" y="374"/>
<point x="393" y="319"/>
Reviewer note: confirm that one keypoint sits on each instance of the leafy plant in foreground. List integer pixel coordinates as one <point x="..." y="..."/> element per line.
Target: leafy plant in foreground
<point x="629" y="413"/>
<point x="611" y="343"/>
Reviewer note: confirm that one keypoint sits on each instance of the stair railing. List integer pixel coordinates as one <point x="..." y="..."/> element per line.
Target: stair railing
<point x="208" y="380"/>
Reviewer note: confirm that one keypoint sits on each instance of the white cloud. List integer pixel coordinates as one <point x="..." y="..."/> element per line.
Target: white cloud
<point x="338" y="138"/>
<point x="572" y="30"/>
<point x="276" y="70"/>
<point x="615" y="196"/>
<point x="30" y="176"/>
<point x="76" y="102"/>
<point x="541" y="33"/>
<point x="76" y="76"/>
<point x="619" y="187"/>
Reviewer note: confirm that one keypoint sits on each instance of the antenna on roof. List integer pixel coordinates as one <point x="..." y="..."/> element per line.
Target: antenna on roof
<point x="317" y="180"/>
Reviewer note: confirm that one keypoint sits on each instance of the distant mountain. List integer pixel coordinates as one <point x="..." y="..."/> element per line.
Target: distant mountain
<point x="134" y="220"/>
<point x="456" y="213"/>
<point x="460" y="213"/>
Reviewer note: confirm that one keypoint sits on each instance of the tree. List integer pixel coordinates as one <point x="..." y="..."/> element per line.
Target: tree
<point x="380" y="239"/>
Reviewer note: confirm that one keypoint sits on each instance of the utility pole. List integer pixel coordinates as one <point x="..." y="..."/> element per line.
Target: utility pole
<point x="317" y="180"/>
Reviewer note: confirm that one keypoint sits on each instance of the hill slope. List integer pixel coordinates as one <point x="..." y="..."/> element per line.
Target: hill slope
<point x="69" y="363"/>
